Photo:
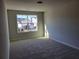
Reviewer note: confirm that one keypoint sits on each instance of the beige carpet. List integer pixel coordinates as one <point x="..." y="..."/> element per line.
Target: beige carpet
<point x="41" y="49"/>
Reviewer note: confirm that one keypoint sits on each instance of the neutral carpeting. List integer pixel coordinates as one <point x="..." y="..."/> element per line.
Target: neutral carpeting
<point x="41" y="49"/>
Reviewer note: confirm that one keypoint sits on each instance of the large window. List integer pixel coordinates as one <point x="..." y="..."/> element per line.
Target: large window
<point x="27" y="23"/>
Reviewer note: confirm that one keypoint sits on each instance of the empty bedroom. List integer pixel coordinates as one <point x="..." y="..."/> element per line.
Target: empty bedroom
<point x="39" y="29"/>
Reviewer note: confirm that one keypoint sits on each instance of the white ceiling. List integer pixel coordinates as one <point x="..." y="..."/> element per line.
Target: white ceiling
<point x="45" y="1"/>
<point x="33" y="3"/>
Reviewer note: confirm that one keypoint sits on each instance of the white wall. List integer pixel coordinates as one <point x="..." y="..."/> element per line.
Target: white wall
<point x="64" y="25"/>
<point x="29" y="6"/>
<point x="4" y="34"/>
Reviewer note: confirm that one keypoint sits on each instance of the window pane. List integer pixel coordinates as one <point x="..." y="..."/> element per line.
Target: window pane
<point x="26" y="23"/>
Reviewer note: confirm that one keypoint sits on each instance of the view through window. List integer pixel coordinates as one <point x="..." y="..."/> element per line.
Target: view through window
<point x="26" y="23"/>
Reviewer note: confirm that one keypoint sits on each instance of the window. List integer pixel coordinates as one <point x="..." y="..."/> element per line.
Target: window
<point x="26" y="23"/>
